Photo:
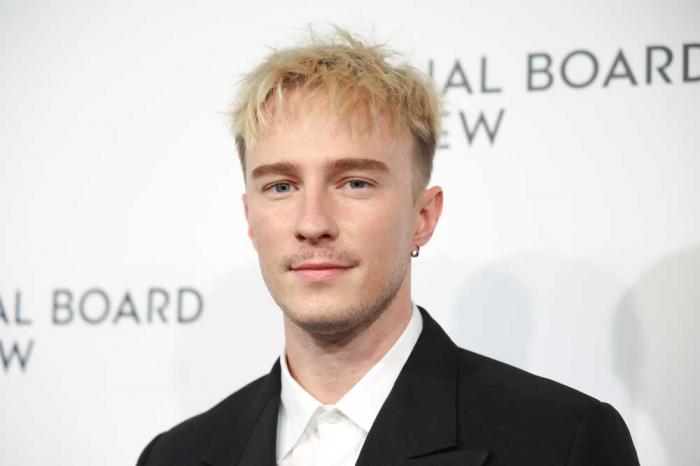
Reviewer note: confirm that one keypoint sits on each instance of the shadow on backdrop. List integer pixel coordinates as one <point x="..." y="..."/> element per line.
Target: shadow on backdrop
<point x="525" y="308"/>
<point x="657" y="345"/>
<point x="494" y="300"/>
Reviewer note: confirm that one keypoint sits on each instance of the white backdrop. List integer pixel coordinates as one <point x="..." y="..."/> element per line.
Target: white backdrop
<point x="569" y="245"/>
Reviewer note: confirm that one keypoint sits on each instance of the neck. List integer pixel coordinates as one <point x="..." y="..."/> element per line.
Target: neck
<point x="328" y="368"/>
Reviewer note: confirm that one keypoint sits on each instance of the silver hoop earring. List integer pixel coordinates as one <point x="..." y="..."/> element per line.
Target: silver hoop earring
<point x="416" y="252"/>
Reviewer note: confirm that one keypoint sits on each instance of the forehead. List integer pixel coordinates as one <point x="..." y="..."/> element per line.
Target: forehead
<point x="307" y="130"/>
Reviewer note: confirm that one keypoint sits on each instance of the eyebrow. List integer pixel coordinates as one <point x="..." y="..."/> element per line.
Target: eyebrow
<point x="351" y="163"/>
<point x="279" y="168"/>
<point x="339" y="165"/>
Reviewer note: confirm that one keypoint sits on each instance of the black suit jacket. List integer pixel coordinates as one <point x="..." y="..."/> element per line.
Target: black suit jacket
<point x="448" y="407"/>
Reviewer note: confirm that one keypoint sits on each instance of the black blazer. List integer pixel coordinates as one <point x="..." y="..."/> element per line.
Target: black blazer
<point x="448" y="407"/>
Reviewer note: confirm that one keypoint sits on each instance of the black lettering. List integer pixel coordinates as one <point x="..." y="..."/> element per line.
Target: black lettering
<point x="686" y="63"/>
<point x="19" y="320"/>
<point x="461" y="81"/>
<point x="481" y="122"/>
<point x="626" y="73"/>
<point x="157" y="308"/>
<point x="105" y="305"/>
<point x="18" y="310"/>
<point x="15" y="351"/>
<point x="3" y="316"/>
<point x="660" y="68"/>
<point x="531" y="57"/>
<point x="484" y="87"/>
<point x="62" y="312"/>
<point x="126" y="309"/>
<point x="594" y="71"/>
<point x="442" y="139"/>
<point x="181" y="317"/>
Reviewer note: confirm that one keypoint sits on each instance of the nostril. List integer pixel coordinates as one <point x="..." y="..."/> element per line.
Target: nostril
<point x="317" y="227"/>
<point x="314" y="238"/>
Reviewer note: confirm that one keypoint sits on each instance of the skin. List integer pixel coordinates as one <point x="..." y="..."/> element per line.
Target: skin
<point x="333" y="217"/>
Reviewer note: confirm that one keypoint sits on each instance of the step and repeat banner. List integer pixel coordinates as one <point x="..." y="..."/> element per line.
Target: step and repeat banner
<point x="130" y="296"/>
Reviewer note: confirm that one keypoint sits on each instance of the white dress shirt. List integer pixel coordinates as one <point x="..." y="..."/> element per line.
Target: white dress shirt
<point x="310" y="433"/>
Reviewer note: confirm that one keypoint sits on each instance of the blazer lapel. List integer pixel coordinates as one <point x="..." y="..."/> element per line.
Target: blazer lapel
<point x="417" y="424"/>
<point x="261" y="449"/>
<point x="251" y="436"/>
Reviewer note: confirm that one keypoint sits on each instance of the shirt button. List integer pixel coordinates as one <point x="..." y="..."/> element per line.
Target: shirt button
<point x="333" y="418"/>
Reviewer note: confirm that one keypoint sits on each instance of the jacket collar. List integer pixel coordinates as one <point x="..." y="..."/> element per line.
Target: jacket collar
<point x="418" y="420"/>
<point x="248" y="434"/>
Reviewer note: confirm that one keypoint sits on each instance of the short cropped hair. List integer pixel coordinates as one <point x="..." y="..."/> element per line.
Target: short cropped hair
<point x="354" y="76"/>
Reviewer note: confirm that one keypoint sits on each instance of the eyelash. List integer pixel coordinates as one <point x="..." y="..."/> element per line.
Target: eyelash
<point x="365" y="184"/>
<point x="281" y="183"/>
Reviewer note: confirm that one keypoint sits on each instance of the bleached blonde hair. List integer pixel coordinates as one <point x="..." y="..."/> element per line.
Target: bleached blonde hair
<point x="358" y="80"/>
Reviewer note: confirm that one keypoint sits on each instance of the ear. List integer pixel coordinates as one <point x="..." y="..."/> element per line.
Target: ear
<point x="428" y="210"/>
<point x="251" y="233"/>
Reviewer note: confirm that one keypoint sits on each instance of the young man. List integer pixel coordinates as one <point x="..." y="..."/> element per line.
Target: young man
<point x="336" y="146"/>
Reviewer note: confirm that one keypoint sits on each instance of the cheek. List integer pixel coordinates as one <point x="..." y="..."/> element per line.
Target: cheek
<point x="382" y="235"/>
<point x="269" y="245"/>
<point x="268" y="229"/>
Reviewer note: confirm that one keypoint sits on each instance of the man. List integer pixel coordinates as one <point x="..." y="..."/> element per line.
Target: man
<point x="336" y="146"/>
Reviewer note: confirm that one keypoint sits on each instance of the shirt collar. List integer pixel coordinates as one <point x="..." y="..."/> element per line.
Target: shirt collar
<point x="364" y="400"/>
<point x="296" y="409"/>
<point x="361" y="403"/>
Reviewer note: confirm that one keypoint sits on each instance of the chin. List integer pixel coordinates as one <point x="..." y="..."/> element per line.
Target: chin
<point x="340" y="309"/>
<point x="328" y="318"/>
<point x="337" y="315"/>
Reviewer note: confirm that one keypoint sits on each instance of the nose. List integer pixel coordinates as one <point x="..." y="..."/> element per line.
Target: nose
<point x="315" y="221"/>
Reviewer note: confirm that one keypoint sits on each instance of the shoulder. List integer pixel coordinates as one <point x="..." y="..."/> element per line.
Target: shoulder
<point x="512" y="410"/>
<point x="491" y="379"/>
<point x="221" y="414"/>
<point x="190" y="439"/>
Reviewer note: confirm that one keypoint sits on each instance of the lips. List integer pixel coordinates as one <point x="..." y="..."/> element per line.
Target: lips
<point x="319" y="271"/>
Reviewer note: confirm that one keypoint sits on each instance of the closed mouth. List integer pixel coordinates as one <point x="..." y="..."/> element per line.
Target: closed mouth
<point x="319" y="271"/>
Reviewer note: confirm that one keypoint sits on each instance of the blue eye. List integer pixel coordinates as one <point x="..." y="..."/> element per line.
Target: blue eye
<point x="357" y="184"/>
<point x="282" y="187"/>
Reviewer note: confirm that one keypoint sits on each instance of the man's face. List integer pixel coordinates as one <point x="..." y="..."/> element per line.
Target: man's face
<point x="331" y="215"/>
